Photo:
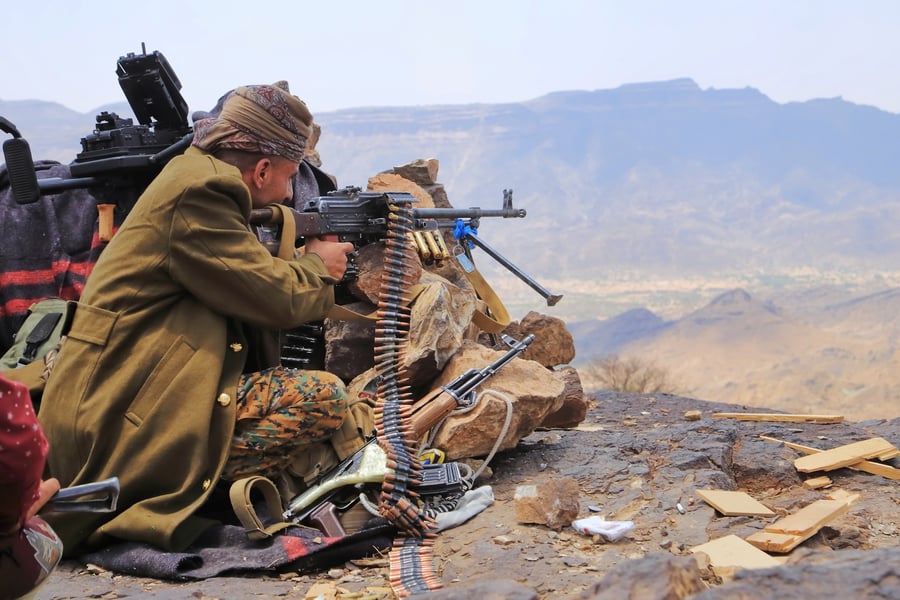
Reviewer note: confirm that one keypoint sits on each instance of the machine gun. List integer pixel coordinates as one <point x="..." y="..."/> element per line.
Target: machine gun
<point x="119" y="159"/>
<point x="351" y="215"/>
<point x="339" y="489"/>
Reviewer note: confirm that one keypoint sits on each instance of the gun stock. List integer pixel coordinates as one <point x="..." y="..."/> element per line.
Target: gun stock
<point x="437" y="405"/>
<point x="431" y="410"/>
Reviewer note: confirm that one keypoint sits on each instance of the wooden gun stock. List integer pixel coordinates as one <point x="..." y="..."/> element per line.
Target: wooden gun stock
<point x="431" y="410"/>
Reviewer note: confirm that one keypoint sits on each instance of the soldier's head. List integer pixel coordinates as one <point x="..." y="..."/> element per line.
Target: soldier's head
<point x="262" y="130"/>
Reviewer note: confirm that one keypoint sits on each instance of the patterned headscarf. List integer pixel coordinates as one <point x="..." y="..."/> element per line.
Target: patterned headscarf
<point x="266" y="119"/>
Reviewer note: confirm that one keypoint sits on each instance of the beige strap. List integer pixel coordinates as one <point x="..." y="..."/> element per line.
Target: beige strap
<point x="339" y="312"/>
<point x="286" y="248"/>
<point x="495" y="324"/>
<point x="500" y="319"/>
<point x="239" y="494"/>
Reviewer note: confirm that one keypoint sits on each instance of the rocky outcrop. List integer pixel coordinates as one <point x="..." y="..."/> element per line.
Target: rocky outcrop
<point x="553" y="344"/>
<point x="538" y="389"/>
<point x="574" y="405"/>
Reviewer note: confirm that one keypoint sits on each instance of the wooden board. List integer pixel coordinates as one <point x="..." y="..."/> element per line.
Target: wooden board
<point x="774" y="542"/>
<point x="815" y="483"/>
<point x="734" y="504"/>
<point x="808" y="519"/>
<point x="785" y="418"/>
<point x="848" y="498"/>
<point x="732" y="551"/>
<point x="863" y="465"/>
<point x="786" y="534"/>
<point x="846" y="455"/>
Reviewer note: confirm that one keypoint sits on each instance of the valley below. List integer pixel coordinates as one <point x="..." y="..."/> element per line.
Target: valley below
<point x="805" y="342"/>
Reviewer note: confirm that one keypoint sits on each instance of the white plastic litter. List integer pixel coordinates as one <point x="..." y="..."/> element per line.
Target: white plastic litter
<point x="596" y="525"/>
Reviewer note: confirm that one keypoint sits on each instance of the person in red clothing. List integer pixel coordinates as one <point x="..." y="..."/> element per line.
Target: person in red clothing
<point x="29" y="548"/>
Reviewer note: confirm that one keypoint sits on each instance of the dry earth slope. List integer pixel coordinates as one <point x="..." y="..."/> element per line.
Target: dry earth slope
<point x="635" y="458"/>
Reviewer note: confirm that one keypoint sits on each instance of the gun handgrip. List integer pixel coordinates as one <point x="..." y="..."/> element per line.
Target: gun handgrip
<point x="326" y="520"/>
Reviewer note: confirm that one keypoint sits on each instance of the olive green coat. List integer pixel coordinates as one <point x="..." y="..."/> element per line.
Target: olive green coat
<point x="145" y="383"/>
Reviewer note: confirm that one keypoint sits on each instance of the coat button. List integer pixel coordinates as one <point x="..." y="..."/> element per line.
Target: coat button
<point x="236" y="347"/>
<point x="206" y="483"/>
<point x="224" y="399"/>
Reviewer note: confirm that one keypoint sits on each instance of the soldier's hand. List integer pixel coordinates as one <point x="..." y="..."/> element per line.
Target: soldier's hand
<point x="333" y="254"/>
<point x="45" y="492"/>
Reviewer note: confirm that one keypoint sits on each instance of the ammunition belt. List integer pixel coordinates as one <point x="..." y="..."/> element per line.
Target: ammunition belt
<point x="412" y="566"/>
<point x="398" y="500"/>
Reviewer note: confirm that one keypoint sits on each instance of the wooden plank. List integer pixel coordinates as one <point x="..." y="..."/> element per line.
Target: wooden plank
<point x="876" y="469"/>
<point x="814" y="483"/>
<point x="786" y="534"/>
<point x="792" y="445"/>
<point x="732" y="551"/>
<point x="848" y="498"/>
<point x="889" y="454"/>
<point x="774" y="542"/>
<point x="863" y="465"/>
<point x="808" y="519"/>
<point x="784" y="418"/>
<point x="845" y="455"/>
<point x="734" y="504"/>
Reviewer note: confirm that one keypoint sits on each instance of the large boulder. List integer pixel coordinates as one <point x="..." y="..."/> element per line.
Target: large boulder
<point x="511" y="404"/>
<point x="553" y="343"/>
<point x="575" y="404"/>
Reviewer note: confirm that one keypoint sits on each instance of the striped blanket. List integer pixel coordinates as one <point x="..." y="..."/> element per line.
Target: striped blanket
<point x="47" y="249"/>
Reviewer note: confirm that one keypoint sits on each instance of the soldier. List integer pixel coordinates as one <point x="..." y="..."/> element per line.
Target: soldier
<point x="157" y="381"/>
<point x="29" y="548"/>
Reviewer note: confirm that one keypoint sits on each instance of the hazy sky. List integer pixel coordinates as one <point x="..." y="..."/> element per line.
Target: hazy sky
<point x="340" y="54"/>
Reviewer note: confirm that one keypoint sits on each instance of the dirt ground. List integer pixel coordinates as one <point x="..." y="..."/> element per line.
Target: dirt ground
<point x="635" y="458"/>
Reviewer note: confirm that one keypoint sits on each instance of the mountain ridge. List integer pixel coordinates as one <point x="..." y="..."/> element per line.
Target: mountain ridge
<point x="649" y="180"/>
<point x="657" y="193"/>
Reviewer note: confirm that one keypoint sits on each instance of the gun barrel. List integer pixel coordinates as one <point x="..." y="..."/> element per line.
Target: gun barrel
<point x="49" y="185"/>
<point x="467" y="213"/>
<point x="464" y="384"/>
<point x="161" y="157"/>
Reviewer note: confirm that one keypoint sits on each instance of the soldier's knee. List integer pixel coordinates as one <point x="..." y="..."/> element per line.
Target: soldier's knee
<point x="333" y="389"/>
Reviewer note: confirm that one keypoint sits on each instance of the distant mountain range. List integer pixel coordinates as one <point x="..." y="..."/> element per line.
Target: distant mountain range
<point x="661" y="181"/>
<point x="663" y="178"/>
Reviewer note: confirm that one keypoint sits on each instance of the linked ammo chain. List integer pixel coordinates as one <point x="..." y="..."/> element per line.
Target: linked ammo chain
<point x="411" y="556"/>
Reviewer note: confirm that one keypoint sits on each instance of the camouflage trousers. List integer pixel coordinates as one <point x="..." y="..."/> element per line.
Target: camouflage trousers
<point x="280" y="413"/>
